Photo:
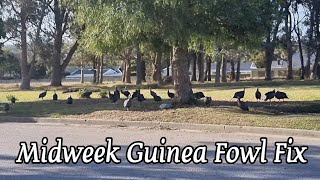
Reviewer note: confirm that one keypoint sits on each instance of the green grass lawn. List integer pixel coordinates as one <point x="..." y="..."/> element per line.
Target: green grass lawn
<point x="301" y="111"/>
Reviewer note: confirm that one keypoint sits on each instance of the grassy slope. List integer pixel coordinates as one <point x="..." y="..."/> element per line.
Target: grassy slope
<point x="302" y="111"/>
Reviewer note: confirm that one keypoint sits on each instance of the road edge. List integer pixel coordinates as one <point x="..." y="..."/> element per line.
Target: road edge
<point x="164" y="125"/>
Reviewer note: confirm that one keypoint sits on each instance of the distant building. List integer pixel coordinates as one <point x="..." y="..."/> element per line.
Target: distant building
<point x="88" y="73"/>
<point x="251" y="71"/>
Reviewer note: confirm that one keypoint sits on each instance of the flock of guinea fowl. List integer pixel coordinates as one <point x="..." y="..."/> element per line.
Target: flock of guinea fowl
<point x="128" y="102"/>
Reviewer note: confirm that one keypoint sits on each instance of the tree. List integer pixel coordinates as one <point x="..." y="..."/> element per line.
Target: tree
<point x="24" y="25"/>
<point x="288" y="32"/>
<point x="119" y="23"/>
<point x="9" y="65"/>
<point x="310" y="36"/>
<point x="276" y="10"/>
<point x="317" y="39"/>
<point x="62" y="12"/>
<point x="2" y="32"/>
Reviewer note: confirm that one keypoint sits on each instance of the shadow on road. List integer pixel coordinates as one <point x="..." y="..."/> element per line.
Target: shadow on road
<point x="126" y="170"/>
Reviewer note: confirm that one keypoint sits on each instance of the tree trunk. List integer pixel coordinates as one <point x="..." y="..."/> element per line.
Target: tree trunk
<point x="128" y="71"/>
<point x="168" y="65"/>
<point x="208" y="69"/>
<point x="156" y="75"/>
<point x="61" y="15"/>
<point x="193" y="57"/>
<point x="288" y="28"/>
<point x="315" y="73"/>
<point x="316" y="63"/>
<point x="124" y="68"/>
<point x="25" y="75"/>
<point x="238" y="74"/>
<point x="201" y="63"/>
<point x="82" y="75"/>
<point x="310" y="42"/>
<point x="269" y="54"/>
<point x="218" y="71"/>
<point x="303" y="74"/>
<point x="224" y="69"/>
<point x="94" y="69"/>
<point x="182" y="84"/>
<point x="271" y="44"/>
<point x="139" y="67"/>
<point x="233" y="71"/>
<point x="144" y="74"/>
<point x="101" y="69"/>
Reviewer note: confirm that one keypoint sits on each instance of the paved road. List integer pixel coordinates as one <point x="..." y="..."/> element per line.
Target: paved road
<point x="11" y="134"/>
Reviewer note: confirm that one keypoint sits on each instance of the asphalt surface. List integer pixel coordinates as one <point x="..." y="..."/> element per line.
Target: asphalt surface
<point x="11" y="134"/>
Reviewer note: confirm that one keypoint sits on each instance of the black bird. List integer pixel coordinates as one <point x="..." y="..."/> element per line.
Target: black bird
<point x="258" y="95"/>
<point x="281" y="95"/>
<point x="152" y="93"/>
<point x="127" y="103"/>
<point x="157" y="98"/>
<point x="170" y="95"/>
<point x="199" y="95"/>
<point x="242" y="105"/>
<point x="70" y="100"/>
<point x="6" y="107"/>
<point x="207" y="100"/>
<point x="239" y="94"/>
<point x="135" y="94"/>
<point x="114" y="98"/>
<point x="87" y="94"/>
<point x="55" y="96"/>
<point x="117" y="93"/>
<point x="270" y="95"/>
<point x="141" y="97"/>
<point x="125" y="92"/>
<point x="43" y="94"/>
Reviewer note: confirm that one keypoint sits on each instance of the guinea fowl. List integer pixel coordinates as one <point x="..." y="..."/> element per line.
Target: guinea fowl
<point x="258" y="95"/>
<point x="152" y="93"/>
<point x="135" y="93"/>
<point x="6" y="107"/>
<point x="270" y="95"/>
<point x="207" y="100"/>
<point x="170" y="94"/>
<point x="141" y="97"/>
<point x="55" y="96"/>
<point x="87" y="94"/>
<point x="125" y="92"/>
<point x="70" y="100"/>
<point x="117" y="93"/>
<point x="242" y="105"/>
<point x="281" y="95"/>
<point x="114" y="98"/>
<point x="239" y="94"/>
<point x="199" y="95"/>
<point x="157" y="98"/>
<point x="127" y="103"/>
<point x="43" y="94"/>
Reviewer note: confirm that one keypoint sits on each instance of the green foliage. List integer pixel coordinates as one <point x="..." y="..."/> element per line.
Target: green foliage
<point x="114" y="25"/>
<point x="12" y="99"/>
<point x="103" y="94"/>
<point x="9" y="65"/>
<point x="81" y="93"/>
<point x="258" y="58"/>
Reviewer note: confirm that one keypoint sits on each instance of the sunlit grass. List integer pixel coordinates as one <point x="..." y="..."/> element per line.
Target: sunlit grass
<point x="301" y="111"/>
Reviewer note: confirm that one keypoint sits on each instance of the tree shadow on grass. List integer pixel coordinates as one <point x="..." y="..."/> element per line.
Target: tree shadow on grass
<point x="49" y="108"/>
